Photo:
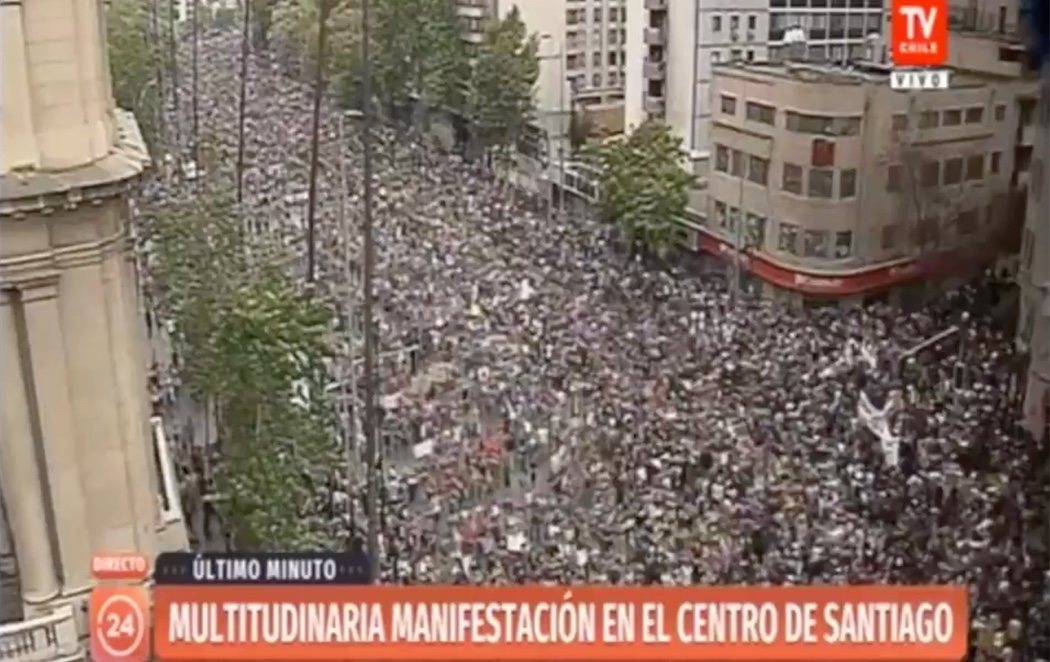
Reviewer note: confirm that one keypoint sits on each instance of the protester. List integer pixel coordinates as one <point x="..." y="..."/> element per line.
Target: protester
<point x="553" y="412"/>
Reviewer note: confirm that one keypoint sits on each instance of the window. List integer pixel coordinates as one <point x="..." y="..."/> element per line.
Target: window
<point x="170" y="505"/>
<point x="930" y="174"/>
<point x="716" y="24"/>
<point x="759" y="112"/>
<point x="755" y="231"/>
<point x="1028" y="249"/>
<point x="735" y="54"/>
<point x="893" y="178"/>
<point x="815" y="243"/>
<point x="953" y="171"/>
<point x="889" y="236"/>
<point x="750" y="55"/>
<point x="734" y="22"/>
<point x="792" y="181"/>
<point x="734" y="220"/>
<point x="752" y="22"/>
<point x="820" y="182"/>
<point x="928" y="119"/>
<point x="900" y="122"/>
<point x="847" y="183"/>
<point x="974" y="115"/>
<point x="843" y="244"/>
<point x="966" y="222"/>
<point x="737" y="164"/>
<point x="596" y="80"/>
<point x="1000" y="112"/>
<point x="612" y="58"/>
<point x="721" y="158"/>
<point x="596" y="59"/>
<point x="952" y="117"/>
<point x="716" y="57"/>
<point x="788" y="240"/>
<point x="993" y="163"/>
<point x="822" y="124"/>
<point x="975" y="167"/>
<point x="720" y="214"/>
<point x="597" y="14"/>
<point x="572" y="16"/>
<point x="758" y="170"/>
<point x="728" y="104"/>
<point x="613" y="34"/>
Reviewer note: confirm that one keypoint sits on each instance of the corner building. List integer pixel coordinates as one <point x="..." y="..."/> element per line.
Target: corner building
<point x="830" y="185"/>
<point x="78" y="462"/>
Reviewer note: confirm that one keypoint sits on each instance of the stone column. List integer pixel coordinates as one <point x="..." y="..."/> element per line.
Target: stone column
<point x="47" y="353"/>
<point x="95" y="404"/>
<point x="131" y="414"/>
<point x="19" y="472"/>
<point x="20" y="147"/>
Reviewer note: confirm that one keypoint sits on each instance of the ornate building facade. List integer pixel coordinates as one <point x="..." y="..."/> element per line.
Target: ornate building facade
<point x="79" y="466"/>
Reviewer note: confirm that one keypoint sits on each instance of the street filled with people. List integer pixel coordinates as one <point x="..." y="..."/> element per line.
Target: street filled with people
<point x="554" y="410"/>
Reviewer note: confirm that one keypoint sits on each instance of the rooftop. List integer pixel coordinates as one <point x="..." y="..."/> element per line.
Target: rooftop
<point x="851" y="73"/>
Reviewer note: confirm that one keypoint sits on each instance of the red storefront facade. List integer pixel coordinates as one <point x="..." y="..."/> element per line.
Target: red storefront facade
<point x="875" y="279"/>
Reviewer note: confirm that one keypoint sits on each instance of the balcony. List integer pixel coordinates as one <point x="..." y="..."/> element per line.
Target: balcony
<point x="654" y="70"/>
<point x="654" y="37"/>
<point x="654" y="105"/>
<point x="472" y="8"/>
<point x="51" y="638"/>
<point x="656" y="5"/>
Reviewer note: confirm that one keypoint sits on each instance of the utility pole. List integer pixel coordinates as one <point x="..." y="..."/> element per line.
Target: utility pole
<point x="351" y="335"/>
<point x="311" y="210"/>
<point x="369" y="295"/>
<point x="173" y="55"/>
<point x="245" y="35"/>
<point x="194" y="4"/>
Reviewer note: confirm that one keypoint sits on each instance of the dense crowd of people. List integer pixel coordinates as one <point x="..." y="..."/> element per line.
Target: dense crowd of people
<point x="553" y="411"/>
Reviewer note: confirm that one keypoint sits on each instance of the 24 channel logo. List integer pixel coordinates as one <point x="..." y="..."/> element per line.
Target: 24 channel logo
<point x="919" y="32"/>
<point x="119" y="624"/>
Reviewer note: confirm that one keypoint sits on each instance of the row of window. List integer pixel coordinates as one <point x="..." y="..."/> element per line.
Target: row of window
<point x="734" y="22"/>
<point x="821" y="182"/>
<point x="930" y="173"/>
<point x="578" y="61"/>
<point x="576" y="16"/>
<point x="833" y="125"/>
<point x="578" y="80"/>
<point x="931" y="119"/>
<point x="928" y="232"/>
<point x="790" y="237"/>
<point x="577" y="39"/>
<point x="865" y="21"/>
<point x="854" y="4"/>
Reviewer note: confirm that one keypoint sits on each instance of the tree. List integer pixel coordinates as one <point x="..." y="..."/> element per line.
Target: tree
<point x="133" y="62"/>
<point x="295" y="23"/>
<point x="255" y="348"/>
<point x="418" y="54"/>
<point x="644" y="188"/>
<point x="500" y="95"/>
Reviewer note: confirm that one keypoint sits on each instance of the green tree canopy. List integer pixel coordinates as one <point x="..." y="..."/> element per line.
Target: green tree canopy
<point x="418" y="52"/>
<point x="133" y="62"/>
<point x="644" y="187"/>
<point x="255" y="348"/>
<point x="500" y="95"/>
<point x="295" y="24"/>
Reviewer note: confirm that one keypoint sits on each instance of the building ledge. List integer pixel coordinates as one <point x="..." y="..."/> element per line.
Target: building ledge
<point x="34" y="191"/>
<point x="50" y="638"/>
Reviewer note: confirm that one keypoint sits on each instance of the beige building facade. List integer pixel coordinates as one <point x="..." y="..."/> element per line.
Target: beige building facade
<point x="1033" y="276"/>
<point x="827" y="183"/>
<point x="79" y="468"/>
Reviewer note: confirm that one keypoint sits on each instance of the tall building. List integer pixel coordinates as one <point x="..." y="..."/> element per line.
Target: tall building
<point x="672" y="46"/>
<point x="826" y="183"/>
<point x="78" y="459"/>
<point x="582" y="58"/>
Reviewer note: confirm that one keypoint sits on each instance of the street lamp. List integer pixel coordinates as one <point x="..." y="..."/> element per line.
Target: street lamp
<point x="560" y="55"/>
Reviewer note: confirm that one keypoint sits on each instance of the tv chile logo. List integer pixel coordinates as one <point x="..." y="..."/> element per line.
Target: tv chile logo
<point x="920" y="33"/>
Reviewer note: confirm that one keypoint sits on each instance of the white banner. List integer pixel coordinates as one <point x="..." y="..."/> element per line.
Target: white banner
<point x="877" y="420"/>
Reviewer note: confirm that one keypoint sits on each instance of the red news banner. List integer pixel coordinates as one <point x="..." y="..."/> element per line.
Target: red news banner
<point x="227" y="608"/>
